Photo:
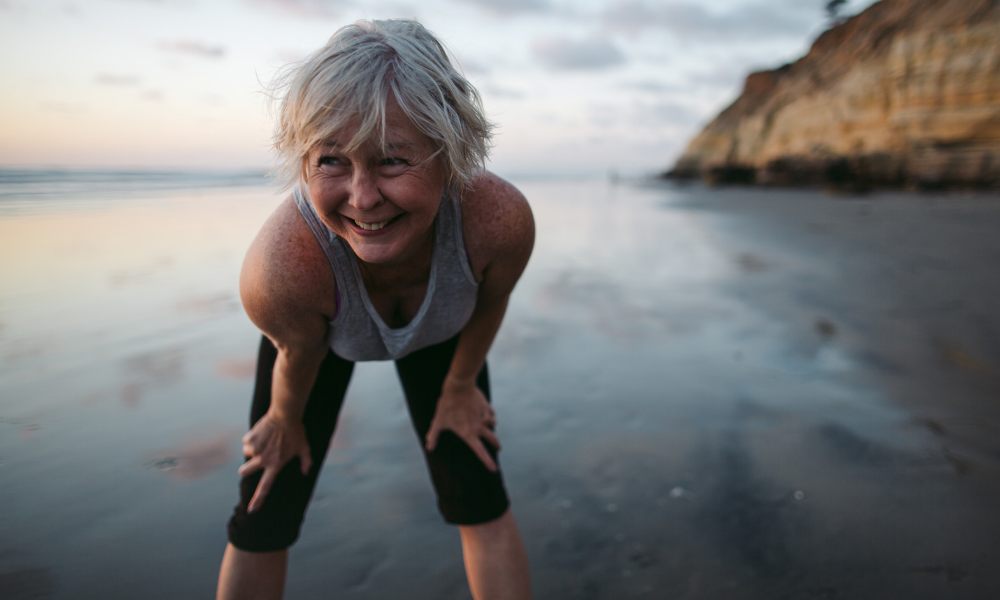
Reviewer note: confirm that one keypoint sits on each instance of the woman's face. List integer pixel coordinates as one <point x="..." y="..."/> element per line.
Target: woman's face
<point x="382" y="203"/>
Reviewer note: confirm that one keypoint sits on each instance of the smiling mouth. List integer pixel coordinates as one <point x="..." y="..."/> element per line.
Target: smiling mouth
<point x="377" y="225"/>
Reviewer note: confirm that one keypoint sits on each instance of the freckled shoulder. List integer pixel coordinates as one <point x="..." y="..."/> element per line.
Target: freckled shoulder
<point x="497" y="224"/>
<point x="287" y="286"/>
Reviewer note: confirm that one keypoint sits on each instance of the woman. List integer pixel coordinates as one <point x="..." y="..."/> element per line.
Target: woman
<point x="394" y="245"/>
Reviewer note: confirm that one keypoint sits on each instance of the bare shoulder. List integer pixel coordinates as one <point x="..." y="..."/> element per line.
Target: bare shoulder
<point x="497" y="224"/>
<point x="287" y="286"/>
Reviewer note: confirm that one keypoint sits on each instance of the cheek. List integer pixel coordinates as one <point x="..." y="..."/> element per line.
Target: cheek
<point x="414" y="194"/>
<point x="425" y="205"/>
<point x="322" y="188"/>
<point x="324" y="199"/>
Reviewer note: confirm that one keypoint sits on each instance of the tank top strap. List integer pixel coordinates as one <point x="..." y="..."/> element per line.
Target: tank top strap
<point x="453" y="215"/>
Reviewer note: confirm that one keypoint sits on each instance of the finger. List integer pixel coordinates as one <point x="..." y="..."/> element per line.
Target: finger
<point x="250" y="446"/>
<point x="251" y="466"/>
<point x="432" y="436"/>
<point x="305" y="457"/>
<point x="482" y="454"/>
<point x="262" y="489"/>
<point x="249" y="451"/>
<point x="491" y="438"/>
<point x="490" y="420"/>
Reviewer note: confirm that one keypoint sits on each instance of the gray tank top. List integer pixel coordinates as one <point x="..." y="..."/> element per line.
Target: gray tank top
<point x="357" y="332"/>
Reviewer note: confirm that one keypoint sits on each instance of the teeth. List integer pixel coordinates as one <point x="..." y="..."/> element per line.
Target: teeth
<point x="372" y="226"/>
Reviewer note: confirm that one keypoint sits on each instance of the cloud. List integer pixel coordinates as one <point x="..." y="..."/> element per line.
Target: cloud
<point x="499" y="91"/>
<point x="723" y="76"/>
<point x="305" y="8"/>
<point x="693" y="21"/>
<point x="68" y="108"/>
<point x="193" y="47"/>
<point x="109" y="79"/>
<point x="471" y="66"/>
<point x="507" y="7"/>
<point x="643" y="116"/>
<point x="666" y="113"/>
<point x="289" y="55"/>
<point x="653" y="87"/>
<point x="587" y="54"/>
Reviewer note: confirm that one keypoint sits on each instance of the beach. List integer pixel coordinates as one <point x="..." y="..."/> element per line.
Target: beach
<point x="701" y="393"/>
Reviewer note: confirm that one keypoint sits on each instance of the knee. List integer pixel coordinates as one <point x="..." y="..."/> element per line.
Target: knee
<point x="490" y="532"/>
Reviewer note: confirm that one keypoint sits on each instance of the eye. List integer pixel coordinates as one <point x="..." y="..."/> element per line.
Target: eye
<point x="328" y="160"/>
<point x="393" y="162"/>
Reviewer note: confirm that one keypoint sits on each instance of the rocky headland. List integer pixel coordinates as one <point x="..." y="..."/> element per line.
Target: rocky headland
<point x="906" y="93"/>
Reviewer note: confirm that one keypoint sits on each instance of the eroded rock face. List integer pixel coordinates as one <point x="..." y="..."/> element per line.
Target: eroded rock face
<point x="905" y="93"/>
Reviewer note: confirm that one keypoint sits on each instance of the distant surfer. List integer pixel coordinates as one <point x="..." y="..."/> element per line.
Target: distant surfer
<point x="395" y="244"/>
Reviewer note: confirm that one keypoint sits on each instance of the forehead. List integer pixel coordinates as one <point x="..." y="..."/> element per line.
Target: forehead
<point x="400" y="133"/>
<point x="342" y="142"/>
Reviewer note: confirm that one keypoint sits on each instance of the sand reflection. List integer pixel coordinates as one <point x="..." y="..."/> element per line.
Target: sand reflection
<point x="198" y="458"/>
<point x="160" y="368"/>
<point x="236" y="368"/>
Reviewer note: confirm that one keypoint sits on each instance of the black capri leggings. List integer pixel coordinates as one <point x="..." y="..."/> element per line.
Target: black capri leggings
<point x="468" y="493"/>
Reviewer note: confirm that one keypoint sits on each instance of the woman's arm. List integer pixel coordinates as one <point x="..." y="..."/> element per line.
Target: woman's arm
<point x="282" y="288"/>
<point x="500" y="233"/>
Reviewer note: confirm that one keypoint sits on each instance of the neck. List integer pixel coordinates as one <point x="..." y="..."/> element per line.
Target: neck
<point x="413" y="269"/>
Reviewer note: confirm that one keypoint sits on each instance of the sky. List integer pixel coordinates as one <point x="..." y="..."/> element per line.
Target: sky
<point x="574" y="87"/>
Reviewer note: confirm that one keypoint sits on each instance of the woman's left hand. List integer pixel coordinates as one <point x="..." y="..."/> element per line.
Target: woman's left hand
<point x="463" y="410"/>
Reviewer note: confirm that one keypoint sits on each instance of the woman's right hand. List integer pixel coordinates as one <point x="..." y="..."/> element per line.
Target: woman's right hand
<point x="270" y="444"/>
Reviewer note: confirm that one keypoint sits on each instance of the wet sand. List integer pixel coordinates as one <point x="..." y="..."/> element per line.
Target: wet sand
<point x="701" y="394"/>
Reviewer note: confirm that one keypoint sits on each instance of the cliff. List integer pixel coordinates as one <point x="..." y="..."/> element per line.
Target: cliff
<point x="905" y="93"/>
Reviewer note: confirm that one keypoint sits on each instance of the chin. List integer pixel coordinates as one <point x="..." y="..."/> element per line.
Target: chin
<point x="375" y="253"/>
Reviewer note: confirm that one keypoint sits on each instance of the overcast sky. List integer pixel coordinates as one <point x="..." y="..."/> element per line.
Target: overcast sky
<point x="582" y="86"/>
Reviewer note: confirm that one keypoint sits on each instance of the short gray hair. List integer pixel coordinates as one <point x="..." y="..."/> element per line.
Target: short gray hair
<point x="349" y="80"/>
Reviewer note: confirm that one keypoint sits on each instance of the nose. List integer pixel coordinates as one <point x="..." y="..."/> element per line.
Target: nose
<point x="364" y="192"/>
